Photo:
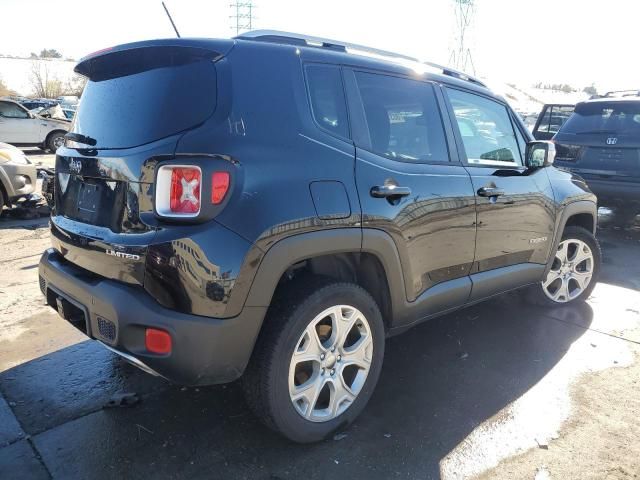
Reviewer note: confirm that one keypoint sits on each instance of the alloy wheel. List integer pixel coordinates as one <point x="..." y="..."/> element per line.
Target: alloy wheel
<point x="330" y="363"/>
<point x="571" y="271"/>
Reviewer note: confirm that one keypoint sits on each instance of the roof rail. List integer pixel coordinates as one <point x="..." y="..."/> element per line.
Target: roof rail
<point x="276" y="36"/>
<point x="622" y="93"/>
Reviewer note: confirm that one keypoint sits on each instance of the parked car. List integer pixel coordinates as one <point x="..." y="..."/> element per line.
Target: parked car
<point x="55" y="112"/>
<point x="601" y="143"/>
<point x="551" y="118"/>
<point x="304" y="200"/>
<point x="18" y="126"/>
<point x="33" y="104"/>
<point x="17" y="175"/>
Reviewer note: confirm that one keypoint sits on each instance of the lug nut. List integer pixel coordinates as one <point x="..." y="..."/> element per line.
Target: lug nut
<point x="332" y="371"/>
<point x="339" y="357"/>
<point x="322" y="356"/>
<point x="333" y="349"/>
<point x="322" y="372"/>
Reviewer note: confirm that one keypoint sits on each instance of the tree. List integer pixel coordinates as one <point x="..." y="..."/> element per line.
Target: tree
<point x="591" y="90"/>
<point x="50" y="53"/>
<point x="4" y="90"/>
<point x="44" y="83"/>
<point x="75" y="85"/>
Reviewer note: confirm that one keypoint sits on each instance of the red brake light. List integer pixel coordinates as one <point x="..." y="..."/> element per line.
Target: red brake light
<point x="185" y="190"/>
<point x="157" y="341"/>
<point x="219" y="186"/>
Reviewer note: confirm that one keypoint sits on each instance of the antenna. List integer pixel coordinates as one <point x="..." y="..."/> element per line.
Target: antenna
<point x="460" y="54"/>
<point x="243" y="15"/>
<point x="171" y="20"/>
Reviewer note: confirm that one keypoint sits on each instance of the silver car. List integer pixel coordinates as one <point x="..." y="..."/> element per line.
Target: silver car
<point x="17" y="175"/>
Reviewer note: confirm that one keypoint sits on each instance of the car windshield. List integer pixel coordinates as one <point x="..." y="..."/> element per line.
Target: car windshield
<point x="604" y="117"/>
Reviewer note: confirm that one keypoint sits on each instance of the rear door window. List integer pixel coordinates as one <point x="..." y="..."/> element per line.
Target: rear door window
<point x="485" y="127"/>
<point x="148" y="104"/>
<point x="403" y="119"/>
<point x="328" y="104"/>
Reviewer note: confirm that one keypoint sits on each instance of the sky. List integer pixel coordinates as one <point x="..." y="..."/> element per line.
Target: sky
<point x="578" y="42"/>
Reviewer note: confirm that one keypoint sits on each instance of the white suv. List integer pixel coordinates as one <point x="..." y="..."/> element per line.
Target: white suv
<point x="18" y="126"/>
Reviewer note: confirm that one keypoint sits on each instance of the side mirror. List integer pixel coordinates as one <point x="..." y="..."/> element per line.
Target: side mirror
<point x="540" y="154"/>
<point x="31" y="115"/>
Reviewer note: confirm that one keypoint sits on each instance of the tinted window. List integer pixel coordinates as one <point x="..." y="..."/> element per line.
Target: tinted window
<point x="559" y="115"/>
<point x="147" y="105"/>
<point x="11" y="110"/>
<point x="327" y="99"/>
<point x="543" y="126"/>
<point x="486" y="129"/>
<point x="604" y="117"/>
<point x="403" y="118"/>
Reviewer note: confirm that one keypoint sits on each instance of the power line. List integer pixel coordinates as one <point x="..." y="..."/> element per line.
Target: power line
<point x="460" y="57"/>
<point x="242" y="19"/>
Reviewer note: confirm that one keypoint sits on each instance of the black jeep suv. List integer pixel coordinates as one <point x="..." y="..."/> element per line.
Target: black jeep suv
<point x="274" y="206"/>
<point x="601" y="143"/>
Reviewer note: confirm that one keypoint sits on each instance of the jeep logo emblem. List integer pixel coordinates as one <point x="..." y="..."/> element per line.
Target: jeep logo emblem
<point x="612" y="141"/>
<point x="126" y="256"/>
<point x="75" y="166"/>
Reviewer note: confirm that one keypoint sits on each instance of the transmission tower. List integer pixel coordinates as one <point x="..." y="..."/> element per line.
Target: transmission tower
<point x="460" y="57"/>
<point x="243" y="16"/>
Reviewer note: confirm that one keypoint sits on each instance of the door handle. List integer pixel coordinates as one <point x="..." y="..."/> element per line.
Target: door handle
<point x="490" y="192"/>
<point x="387" y="191"/>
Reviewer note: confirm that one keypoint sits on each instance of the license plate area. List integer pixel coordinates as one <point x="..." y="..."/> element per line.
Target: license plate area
<point x="75" y="313"/>
<point x="89" y="198"/>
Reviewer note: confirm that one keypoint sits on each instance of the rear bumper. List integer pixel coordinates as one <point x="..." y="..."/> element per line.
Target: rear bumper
<point x="204" y="350"/>
<point x="607" y="190"/>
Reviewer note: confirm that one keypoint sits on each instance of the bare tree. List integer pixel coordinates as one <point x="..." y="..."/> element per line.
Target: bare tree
<point x="75" y="85"/>
<point x="45" y="83"/>
<point x="4" y="90"/>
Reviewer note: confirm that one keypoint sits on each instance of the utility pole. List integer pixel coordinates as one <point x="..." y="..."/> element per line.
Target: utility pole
<point x="243" y="16"/>
<point x="460" y="57"/>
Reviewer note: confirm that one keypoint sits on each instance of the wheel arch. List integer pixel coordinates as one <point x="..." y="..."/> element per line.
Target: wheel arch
<point x="366" y="257"/>
<point x="583" y="213"/>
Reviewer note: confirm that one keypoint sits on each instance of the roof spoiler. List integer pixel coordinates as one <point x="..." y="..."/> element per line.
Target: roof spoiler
<point x="172" y="49"/>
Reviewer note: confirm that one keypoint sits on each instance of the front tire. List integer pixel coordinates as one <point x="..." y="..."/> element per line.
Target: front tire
<point x="574" y="272"/>
<point x="316" y="362"/>
<point x="55" y="141"/>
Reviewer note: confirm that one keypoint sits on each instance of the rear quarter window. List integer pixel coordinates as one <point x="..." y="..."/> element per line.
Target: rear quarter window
<point x="328" y="104"/>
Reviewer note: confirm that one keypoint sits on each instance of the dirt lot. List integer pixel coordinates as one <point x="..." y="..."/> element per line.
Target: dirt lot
<point x="499" y="390"/>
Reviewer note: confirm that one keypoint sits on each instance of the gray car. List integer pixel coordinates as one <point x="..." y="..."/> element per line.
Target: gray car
<point x="17" y="175"/>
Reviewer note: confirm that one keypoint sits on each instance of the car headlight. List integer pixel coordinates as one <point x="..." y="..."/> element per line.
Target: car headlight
<point x="13" y="157"/>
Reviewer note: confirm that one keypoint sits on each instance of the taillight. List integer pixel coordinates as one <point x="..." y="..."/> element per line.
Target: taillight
<point x="157" y="341"/>
<point x="567" y="153"/>
<point x="178" y="189"/>
<point x="219" y="186"/>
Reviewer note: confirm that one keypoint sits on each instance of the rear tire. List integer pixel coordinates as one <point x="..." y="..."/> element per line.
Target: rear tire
<point x="55" y="141"/>
<point x="574" y="272"/>
<point x="303" y="397"/>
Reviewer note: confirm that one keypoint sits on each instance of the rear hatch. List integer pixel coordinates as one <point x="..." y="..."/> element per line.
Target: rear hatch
<point x="138" y="101"/>
<point x="601" y="141"/>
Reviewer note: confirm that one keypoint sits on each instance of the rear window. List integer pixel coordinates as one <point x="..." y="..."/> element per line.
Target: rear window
<point x="147" y="105"/>
<point x="604" y="117"/>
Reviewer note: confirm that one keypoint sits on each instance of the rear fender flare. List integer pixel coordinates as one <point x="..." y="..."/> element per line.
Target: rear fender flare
<point x="294" y="249"/>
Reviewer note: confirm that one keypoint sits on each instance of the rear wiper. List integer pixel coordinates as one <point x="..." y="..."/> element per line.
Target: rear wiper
<point x="84" y="139"/>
